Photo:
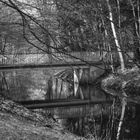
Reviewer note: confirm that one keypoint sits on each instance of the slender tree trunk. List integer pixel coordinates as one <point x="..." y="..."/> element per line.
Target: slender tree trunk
<point x="124" y="103"/>
<point x="138" y="7"/>
<point x="137" y="29"/>
<point x="110" y="56"/>
<point x="135" y="19"/>
<point x="119" y="17"/>
<point x="115" y="36"/>
<point x="119" y="22"/>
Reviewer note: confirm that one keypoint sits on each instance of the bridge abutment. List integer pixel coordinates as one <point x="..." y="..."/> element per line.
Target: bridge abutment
<point x="88" y="75"/>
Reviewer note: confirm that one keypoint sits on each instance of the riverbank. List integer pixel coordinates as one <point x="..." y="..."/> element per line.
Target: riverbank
<point x="17" y="122"/>
<point x="124" y="84"/>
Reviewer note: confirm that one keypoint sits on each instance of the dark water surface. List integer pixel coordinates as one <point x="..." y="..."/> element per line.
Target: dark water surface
<point x="99" y="121"/>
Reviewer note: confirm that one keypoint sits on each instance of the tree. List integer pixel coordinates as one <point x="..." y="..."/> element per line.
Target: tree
<point x="79" y="22"/>
<point x="115" y="36"/>
<point x="74" y="25"/>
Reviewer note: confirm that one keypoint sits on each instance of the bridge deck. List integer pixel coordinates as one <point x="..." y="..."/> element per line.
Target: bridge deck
<point x="48" y="65"/>
<point x="18" y="61"/>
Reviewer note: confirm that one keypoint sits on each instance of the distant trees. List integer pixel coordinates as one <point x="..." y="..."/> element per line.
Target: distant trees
<point x="96" y="25"/>
<point x="78" y="22"/>
<point x="9" y="31"/>
<point x="62" y="26"/>
<point x="25" y="18"/>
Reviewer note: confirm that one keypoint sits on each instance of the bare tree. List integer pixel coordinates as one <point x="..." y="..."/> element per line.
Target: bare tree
<point x="115" y="36"/>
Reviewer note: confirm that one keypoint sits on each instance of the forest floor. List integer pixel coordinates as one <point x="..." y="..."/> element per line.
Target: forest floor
<point x="19" y="123"/>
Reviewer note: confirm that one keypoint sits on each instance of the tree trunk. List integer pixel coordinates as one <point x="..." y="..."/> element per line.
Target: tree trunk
<point x="110" y="56"/>
<point x="137" y="30"/>
<point x="135" y="20"/>
<point x="121" y="118"/>
<point x="138" y="8"/>
<point x="115" y="36"/>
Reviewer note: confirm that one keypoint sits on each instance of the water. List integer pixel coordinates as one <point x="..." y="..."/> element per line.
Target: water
<point x="98" y="121"/>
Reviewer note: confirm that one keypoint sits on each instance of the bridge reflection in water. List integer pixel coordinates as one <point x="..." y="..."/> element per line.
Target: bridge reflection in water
<point x="73" y="106"/>
<point x="95" y="98"/>
<point x="77" y="115"/>
<point x="79" y="111"/>
<point x="82" y="119"/>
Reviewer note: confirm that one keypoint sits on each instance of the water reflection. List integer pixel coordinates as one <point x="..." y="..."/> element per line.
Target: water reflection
<point x="90" y="120"/>
<point x="24" y="85"/>
<point x="98" y="121"/>
<point x="91" y="92"/>
<point x="102" y="121"/>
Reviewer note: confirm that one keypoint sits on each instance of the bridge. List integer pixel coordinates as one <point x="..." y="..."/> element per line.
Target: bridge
<point x="79" y="61"/>
<point x="83" y="65"/>
<point x="68" y="108"/>
<point x="42" y="60"/>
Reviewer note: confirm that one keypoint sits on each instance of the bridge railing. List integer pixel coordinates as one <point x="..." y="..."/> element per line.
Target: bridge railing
<point x="49" y="58"/>
<point x="9" y="59"/>
<point x="80" y="56"/>
<point x="38" y="58"/>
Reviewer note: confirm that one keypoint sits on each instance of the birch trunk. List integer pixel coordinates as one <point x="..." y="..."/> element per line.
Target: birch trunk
<point x="138" y="7"/>
<point x="115" y="36"/>
<point x="121" y="118"/>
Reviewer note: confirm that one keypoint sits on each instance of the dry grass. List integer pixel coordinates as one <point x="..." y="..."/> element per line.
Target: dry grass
<point x="18" y="123"/>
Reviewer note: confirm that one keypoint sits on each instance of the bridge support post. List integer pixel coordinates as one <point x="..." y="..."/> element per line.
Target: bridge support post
<point x="85" y="76"/>
<point x="77" y="74"/>
<point x="76" y="82"/>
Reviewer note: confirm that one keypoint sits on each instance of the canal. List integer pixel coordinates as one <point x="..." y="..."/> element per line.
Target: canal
<point x="98" y="121"/>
